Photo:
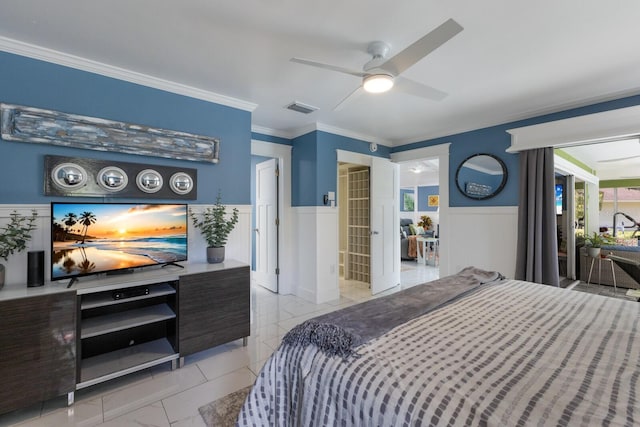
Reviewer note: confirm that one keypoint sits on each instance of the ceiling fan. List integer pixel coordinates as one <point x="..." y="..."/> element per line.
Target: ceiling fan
<point x="380" y="74"/>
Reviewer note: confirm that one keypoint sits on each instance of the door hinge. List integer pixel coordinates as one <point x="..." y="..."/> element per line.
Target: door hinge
<point x="277" y="221"/>
<point x="277" y="271"/>
<point x="277" y="171"/>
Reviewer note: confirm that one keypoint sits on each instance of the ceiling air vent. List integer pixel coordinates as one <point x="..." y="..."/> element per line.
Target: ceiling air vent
<point x="301" y="108"/>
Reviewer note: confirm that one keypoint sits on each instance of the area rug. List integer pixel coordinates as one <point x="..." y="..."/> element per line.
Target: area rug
<point x="224" y="411"/>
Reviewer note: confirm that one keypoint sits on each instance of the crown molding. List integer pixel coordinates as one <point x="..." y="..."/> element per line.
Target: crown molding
<point x="350" y="134"/>
<point x="84" y="64"/>
<point x="337" y="131"/>
<point x="271" y="132"/>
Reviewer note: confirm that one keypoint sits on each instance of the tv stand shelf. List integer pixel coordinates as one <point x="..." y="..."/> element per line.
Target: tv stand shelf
<point x="125" y="320"/>
<point x="185" y="310"/>
<point x="111" y="365"/>
<point x="120" y="336"/>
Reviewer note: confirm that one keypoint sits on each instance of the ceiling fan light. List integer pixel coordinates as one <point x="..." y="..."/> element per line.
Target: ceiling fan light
<point x="377" y="83"/>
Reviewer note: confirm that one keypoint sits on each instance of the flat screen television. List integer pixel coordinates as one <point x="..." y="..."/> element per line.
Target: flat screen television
<point x="93" y="238"/>
<point x="559" y="191"/>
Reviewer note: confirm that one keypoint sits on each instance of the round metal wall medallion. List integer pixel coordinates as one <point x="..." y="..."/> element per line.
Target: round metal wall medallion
<point x="69" y="175"/>
<point x="181" y="183"/>
<point x="112" y="178"/>
<point x="149" y="181"/>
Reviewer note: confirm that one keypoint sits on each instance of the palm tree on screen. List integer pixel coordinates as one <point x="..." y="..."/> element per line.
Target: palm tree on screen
<point x="86" y="219"/>
<point x="70" y="220"/>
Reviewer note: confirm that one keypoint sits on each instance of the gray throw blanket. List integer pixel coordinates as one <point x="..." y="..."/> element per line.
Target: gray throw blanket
<point x="339" y="332"/>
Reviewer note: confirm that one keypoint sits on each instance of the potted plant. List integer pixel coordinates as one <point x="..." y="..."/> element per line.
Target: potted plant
<point x="215" y="229"/>
<point x="425" y="222"/>
<point x="595" y="242"/>
<point x="14" y="237"/>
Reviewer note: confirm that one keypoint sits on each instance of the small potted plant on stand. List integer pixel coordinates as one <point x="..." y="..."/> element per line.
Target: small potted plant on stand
<point x="14" y="237"/>
<point x="215" y="229"/>
<point x="425" y="222"/>
<point x="594" y="243"/>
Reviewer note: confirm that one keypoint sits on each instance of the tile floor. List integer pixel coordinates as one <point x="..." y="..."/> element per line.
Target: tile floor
<point x="609" y="291"/>
<point x="161" y="397"/>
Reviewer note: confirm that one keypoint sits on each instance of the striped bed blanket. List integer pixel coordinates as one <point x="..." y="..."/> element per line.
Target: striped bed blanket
<point x="511" y="353"/>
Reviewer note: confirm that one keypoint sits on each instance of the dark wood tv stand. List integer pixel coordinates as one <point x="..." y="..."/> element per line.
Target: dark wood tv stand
<point x="160" y="316"/>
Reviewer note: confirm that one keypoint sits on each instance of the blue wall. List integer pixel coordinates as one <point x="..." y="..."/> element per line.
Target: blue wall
<point x="35" y="83"/>
<point x="495" y="140"/>
<point x="423" y="197"/>
<point x="315" y="164"/>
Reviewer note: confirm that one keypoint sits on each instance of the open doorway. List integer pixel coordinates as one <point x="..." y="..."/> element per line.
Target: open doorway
<point x="353" y="225"/>
<point x="370" y="246"/>
<point x="602" y="201"/>
<point x="263" y="151"/>
<point x="419" y="221"/>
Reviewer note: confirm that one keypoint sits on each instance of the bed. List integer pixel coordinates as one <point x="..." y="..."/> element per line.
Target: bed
<point x="469" y="349"/>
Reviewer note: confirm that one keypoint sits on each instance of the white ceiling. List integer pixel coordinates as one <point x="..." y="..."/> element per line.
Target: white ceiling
<point x="512" y="60"/>
<point x="610" y="160"/>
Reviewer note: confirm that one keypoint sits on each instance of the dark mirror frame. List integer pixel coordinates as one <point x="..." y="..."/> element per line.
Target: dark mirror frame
<point x="494" y="192"/>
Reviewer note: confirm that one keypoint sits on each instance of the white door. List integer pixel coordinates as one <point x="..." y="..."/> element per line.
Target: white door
<point x="384" y="224"/>
<point x="266" y="231"/>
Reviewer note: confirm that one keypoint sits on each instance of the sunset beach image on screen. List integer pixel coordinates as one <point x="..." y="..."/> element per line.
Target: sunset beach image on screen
<point x="91" y="238"/>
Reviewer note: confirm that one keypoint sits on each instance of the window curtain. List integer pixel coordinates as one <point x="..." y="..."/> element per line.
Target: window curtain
<point x="537" y="252"/>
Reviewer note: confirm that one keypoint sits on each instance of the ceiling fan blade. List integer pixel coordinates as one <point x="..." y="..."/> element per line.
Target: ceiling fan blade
<point x="328" y="67"/>
<point x="418" y="89"/>
<point x="353" y="95"/>
<point x="421" y="48"/>
<point x="618" y="159"/>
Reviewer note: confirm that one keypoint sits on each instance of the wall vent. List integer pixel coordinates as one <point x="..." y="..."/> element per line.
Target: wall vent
<point x="301" y="108"/>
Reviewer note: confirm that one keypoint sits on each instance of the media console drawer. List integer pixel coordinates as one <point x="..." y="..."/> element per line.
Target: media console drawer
<point x="213" y="309"/>
<point x="38" y="348"/>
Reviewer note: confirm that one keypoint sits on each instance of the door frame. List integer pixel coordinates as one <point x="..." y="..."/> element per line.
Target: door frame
<point x="281" y="152"/>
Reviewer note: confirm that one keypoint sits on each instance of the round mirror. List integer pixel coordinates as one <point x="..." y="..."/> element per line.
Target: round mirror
<point x="181" y="183"/>
<point x="69" y="175"/>
<point x="149" y="181"/>
<point x="481" y="176"/>
<point x="112" y="178"/>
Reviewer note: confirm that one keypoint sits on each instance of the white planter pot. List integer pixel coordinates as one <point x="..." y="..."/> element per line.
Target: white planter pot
<point x="593" y="252"/>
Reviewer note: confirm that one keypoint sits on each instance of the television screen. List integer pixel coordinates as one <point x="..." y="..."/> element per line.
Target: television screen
<point x="91" y="238"/>
<point x="559" y="191"/>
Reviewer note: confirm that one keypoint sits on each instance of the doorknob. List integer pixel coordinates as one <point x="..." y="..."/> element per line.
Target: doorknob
<point x="256" y="230"/>
<point x="373" y="232"/>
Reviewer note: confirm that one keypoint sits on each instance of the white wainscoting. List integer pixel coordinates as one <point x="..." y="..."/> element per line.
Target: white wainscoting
<point x="316" y="240"/>
<point x="483" y="237"/>
<point x="238" y="246"/>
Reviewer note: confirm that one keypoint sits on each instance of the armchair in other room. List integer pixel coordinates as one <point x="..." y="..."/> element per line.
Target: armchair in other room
<point x="404" y="241"/>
